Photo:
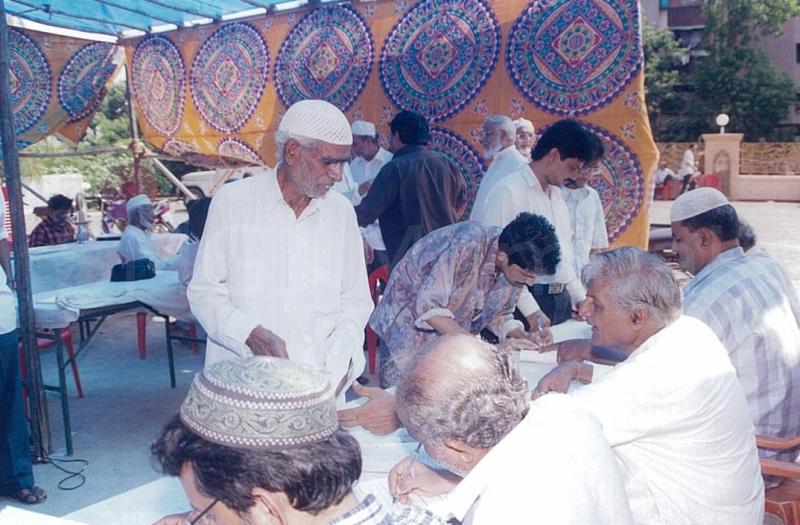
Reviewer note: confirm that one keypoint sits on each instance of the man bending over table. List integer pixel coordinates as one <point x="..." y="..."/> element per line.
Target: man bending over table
<point x="462" y="278"/>
<point x="257" y="441"/>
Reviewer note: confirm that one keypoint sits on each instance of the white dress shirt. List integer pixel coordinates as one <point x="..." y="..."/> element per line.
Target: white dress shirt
<point x="676" y="417"/>
<point x="505" y="162"/>
<point x="588" y="223"/>
<point x="687" y="163"/>
<point x="522" y="192"/>
<point x="8" y="303"/>
<point x="348" y="187"/>
<point x="303" y="277"/>
<point x="364" y="170"/>
<point x="137" y="244"/>
<point x="555" y="467"/>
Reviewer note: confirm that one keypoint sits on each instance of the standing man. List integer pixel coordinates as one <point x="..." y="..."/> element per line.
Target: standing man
<point x="687" y="170"/>
<point x="136" y="242"/>
<point x="280" y="270"/>
<point x="588" y="221"/>
<point x="462" y="278"/>
<point x="526" y="137"/>
<point x="368" y="155"/>
<point x="16" y="464"/>
<point x="55" y="228"/>
<point x="561" y="152"/>
<point x="497" y="138"/>
<point x="416" y="192"/>
<point x="749" y="303"/>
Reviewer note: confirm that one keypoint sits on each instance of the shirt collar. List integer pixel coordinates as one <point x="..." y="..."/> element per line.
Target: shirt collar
<point x="405" y="150"/>
<point x="274" y="195"/>
<point x="367" y="511"/>
<point x="721" y="259"/>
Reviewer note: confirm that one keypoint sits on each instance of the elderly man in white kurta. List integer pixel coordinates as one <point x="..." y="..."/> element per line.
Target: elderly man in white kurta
<point x="561" y="152"/>
<point x="498" y="139"/>
<point x="280" y="269"/>
<point x="673" y="412"/>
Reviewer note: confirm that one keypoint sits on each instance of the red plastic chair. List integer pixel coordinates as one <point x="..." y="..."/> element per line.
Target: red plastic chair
<point x="141" y="335"/>
<point x="42" y="343"/>
<point x="711" y="180"/>
<point x="377" y="276"/>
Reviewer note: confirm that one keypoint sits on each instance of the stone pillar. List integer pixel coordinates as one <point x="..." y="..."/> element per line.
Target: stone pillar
<point x="721" y="157"/>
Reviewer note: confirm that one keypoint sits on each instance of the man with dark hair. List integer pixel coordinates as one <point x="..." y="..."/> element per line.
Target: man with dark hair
<point x="299" y="468"/>
<point x="462" y="278"/>
<point x="416" y="192"/>
<point x="561" y="153"/>
<point x="55" y="228"/>
<point x="749" y="302"/>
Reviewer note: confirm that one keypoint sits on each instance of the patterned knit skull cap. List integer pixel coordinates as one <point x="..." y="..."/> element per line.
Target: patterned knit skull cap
<point x="317" y="119"/>
<point x="260" y="403"/>
<point x="697" y="201"/>
<point x="362" y="128"/>
<point x="523" y="123"/>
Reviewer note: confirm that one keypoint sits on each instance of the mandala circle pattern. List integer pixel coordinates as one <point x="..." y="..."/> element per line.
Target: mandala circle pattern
<point x="468" y="160"/>
<point x="238" y="149"/>
<point x="439" y="56"/>
<point x="159" y="83"/>
<point x="30" y="81"/>
<point x="229" y="75"/>
<point x="572" y="57"/>
<point x="328" y="56"/>
<point x="83" y="78"/>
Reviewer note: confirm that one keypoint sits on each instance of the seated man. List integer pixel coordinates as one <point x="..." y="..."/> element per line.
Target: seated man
<point x="257" y="441"/>
<point x="461" y="278"/>
<point x="55" y="228"/>
<point x="521" y="462"/>
<point x="673" y="411"/>
<point x="749" y="302"/>
<point x="198" y="213"/>
<point x="135" y="242"/>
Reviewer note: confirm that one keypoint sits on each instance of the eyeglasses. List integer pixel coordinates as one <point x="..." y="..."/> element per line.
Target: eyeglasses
<point x="205" y="511"/>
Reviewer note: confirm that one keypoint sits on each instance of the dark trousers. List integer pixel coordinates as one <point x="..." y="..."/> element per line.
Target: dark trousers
<point x="557" y="307"/>
<point x="16" y="465"/>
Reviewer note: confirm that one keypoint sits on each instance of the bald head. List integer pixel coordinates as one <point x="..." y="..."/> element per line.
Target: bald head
<point x="463" y="389"/>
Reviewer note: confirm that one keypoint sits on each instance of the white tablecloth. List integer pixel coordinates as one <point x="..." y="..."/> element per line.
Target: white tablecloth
<point x="59" y="308"/>
<point x="73" y="264"/>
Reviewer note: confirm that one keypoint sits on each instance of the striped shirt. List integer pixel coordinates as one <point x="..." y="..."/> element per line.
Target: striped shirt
<point x="749" y="302"/>
<point x="370" y="512"/>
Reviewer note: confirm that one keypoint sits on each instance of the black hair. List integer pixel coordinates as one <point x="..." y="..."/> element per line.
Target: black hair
<point x="570" y="139"/>
<point x="198" y="213"/>
<point x="313" y="477"/>
<point x="722" y="220"/>
<point x="747" y="237"/>
<point x="530" y="242"/>
<point x="59" y="202"/>
<point x="598" y="149"/>
<point x="411" y="127"/>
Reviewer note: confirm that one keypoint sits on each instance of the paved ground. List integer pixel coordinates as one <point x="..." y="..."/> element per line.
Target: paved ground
<point x="128" y="400"/>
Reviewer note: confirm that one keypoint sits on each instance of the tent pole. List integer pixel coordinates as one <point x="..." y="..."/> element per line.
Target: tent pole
<point x="137" y="159"/>
<point x="40" y="425"/>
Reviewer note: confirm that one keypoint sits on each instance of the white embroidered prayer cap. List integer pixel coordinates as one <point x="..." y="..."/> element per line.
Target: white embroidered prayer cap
<point x="261" y="403"/>
<point x="362" y="128"/>
<point x="523" y="123"/>
<point x="697" y="201"/>
<point x="318" y="120"/>
<point x="138" y="201"/>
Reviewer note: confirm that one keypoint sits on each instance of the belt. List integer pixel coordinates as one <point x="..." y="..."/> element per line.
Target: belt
<point x="548" y="288"/>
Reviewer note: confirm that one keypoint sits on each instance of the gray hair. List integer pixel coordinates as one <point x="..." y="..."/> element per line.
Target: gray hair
<point x="504" y="124"/>
<point x="477" y="407"/>
<point x="641" y="280"/>
<point x="282" y="137"/>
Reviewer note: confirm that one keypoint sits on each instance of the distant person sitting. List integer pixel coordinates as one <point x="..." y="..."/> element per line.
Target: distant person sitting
<point x="198" y="212"/>
<point x="55" y="228"/>
<point x="257" y="441"/>
<point x="136" y="242"/>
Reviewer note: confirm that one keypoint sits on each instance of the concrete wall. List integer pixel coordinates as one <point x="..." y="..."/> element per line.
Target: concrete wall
<point x="767" y="188"/>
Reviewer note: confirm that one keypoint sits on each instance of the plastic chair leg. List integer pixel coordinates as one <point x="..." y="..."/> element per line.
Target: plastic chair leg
<point x="192" y="330"/>
<point x="141" y="333"/>
<point x="66" y="337"/>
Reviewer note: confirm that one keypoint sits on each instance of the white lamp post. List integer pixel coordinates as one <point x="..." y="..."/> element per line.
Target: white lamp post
<point x="722" y="121"/>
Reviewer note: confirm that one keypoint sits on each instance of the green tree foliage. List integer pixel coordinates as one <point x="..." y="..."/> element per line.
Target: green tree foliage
<point x="663" y="56"/>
